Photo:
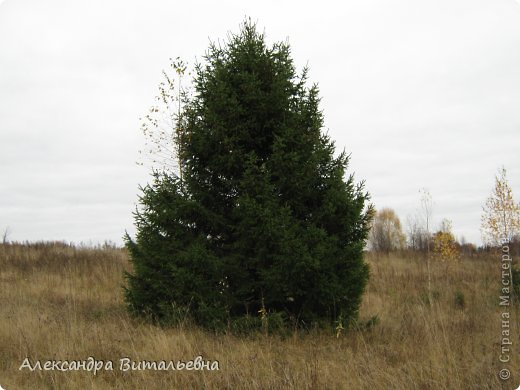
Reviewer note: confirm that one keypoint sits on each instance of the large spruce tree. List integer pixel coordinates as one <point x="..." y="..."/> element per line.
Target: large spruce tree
<point x="265" y="222"/>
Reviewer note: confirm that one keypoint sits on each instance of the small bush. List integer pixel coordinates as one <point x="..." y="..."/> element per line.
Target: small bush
<point x="435" y="295"/>
<point x="460" y="300"/>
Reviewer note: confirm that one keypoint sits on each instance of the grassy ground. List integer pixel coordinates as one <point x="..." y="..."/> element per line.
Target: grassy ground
<point x="64" y="303"/>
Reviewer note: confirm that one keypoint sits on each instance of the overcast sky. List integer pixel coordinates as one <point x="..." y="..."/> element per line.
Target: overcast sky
<point x="421" y="93"/>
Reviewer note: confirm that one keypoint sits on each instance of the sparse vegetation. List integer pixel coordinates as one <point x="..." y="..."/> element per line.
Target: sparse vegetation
<point x="62" y="302"/>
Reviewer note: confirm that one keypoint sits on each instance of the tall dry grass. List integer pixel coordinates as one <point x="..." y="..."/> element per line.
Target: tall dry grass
<point x="64" y="303"/>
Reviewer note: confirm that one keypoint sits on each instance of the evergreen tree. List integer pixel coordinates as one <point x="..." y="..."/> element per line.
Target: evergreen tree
<point x="263" y="220"/>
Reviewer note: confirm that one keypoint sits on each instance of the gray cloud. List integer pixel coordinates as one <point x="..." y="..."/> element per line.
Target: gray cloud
<point x="422" y="95"/>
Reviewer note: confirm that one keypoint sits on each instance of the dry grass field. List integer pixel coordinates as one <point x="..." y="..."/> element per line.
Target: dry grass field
<point x="65" y="303"/>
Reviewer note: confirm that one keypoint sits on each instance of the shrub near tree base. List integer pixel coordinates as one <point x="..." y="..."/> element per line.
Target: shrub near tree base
<point x="263" y="225"/>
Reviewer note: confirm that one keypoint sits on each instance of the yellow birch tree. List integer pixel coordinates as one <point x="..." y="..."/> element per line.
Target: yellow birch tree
<point x="445" y="247"/>
<point x="500" y="221"/>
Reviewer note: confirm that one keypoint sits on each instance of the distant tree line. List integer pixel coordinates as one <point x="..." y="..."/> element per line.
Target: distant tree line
<point x="500" y="223"/>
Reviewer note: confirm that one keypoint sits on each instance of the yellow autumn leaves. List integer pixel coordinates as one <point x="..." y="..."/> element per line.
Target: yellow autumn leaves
<point x="445" y="247"/>
<point x="500" y="221"/>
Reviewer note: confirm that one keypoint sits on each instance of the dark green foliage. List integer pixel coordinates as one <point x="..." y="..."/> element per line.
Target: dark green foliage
<point x="263" y="220"/>
<point x="460" y="300"/>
